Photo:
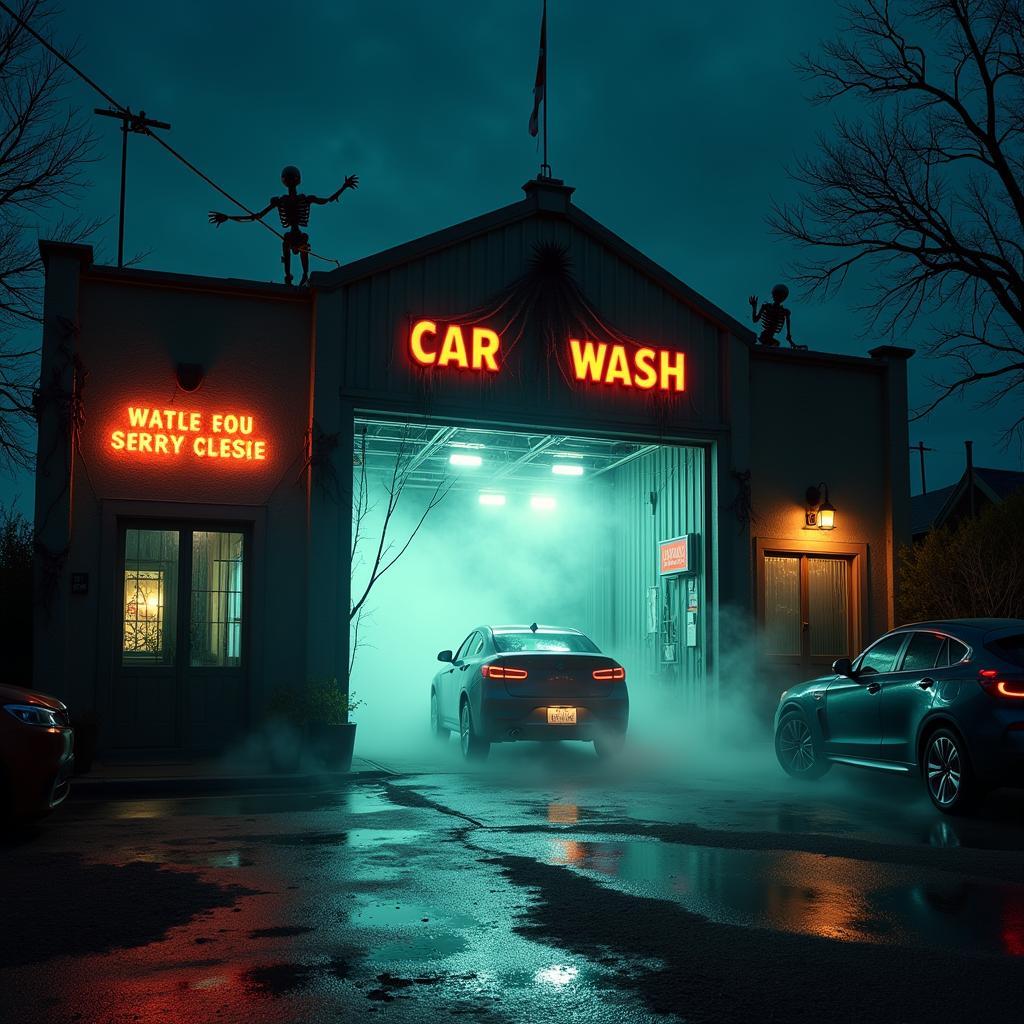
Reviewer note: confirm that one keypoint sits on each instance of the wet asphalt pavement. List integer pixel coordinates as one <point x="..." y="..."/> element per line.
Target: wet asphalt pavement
<point x="546" y="886"/>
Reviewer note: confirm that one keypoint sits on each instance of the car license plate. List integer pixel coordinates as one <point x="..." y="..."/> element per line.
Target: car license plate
<point x="561" y="716"/>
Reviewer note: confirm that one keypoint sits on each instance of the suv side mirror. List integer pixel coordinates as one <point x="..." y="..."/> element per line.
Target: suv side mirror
<point x="444" y="656"/>
<point x="843" y="667"/>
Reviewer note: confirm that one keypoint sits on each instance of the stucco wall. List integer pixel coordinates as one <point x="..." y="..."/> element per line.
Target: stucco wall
<point x="255" y="351"/>
<point x="827" y="419"/>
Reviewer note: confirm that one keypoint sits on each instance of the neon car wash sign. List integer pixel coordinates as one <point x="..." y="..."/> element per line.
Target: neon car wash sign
<point x="468" y="347"/>
<point x="476" y="348"/>
<point x="189" y="434"/>
<point x="640" y="367"/>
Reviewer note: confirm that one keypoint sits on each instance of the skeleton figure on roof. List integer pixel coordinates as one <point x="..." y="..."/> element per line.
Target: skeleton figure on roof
<point x="293" y="209"/>
<point x="772" y="316"/>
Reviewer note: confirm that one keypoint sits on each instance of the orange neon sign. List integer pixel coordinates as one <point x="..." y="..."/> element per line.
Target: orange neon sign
<point x="180" y="433"/>
<point x="480" y="354"/>
<point x="468" y="347"/>
<point x="644" y="368"/>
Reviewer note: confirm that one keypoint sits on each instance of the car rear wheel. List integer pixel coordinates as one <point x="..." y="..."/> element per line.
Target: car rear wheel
<point x="796" y="750"/>
<point x="947" y="773"/>
<point x="437" y="730"/>
<point x="474" y="747"/>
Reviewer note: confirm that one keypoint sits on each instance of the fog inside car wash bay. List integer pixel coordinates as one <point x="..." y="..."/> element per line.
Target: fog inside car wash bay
<point x="539" y="529"/>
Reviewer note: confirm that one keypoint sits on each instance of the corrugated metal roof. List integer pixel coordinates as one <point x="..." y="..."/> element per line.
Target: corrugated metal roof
<point x="507" y="216"/>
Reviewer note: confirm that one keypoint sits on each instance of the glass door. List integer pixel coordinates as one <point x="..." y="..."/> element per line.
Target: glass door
<point x="806" y="605"/>
<point x="180" y="680"/>
<point x="144" y="708"/>
<point x="215" y="676"/>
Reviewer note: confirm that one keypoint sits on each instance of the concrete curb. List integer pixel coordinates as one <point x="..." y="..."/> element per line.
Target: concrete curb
<point x="85" y="787"/>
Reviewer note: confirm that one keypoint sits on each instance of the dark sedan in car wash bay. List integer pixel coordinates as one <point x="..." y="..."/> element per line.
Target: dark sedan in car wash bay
<point x="508" y="683"/>
<point x="942" y="698"/>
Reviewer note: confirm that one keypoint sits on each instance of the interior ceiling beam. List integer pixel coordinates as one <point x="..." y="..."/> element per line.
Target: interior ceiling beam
<point x="443" y="436"/>
<point x="528" y="456"/>
<point x="427" y="462"/>
<point x="639" y="453"/>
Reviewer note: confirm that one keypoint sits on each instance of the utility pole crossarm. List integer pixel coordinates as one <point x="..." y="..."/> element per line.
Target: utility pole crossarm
<point x="921" y="449"/>
<point x="138" y="122"/>
<point x="140" y="125"/>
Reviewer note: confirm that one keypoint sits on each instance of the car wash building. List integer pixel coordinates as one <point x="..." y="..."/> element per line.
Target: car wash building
<point x="607" y="450"/>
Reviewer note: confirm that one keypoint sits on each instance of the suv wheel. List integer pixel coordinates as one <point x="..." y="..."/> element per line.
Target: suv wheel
<point x="474" y="747"/>
<point x="947" y="773"/>
<point x="796" y="750"/>
<point x="437" y="730"/>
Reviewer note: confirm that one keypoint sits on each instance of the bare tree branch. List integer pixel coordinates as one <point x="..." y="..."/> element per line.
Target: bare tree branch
<point x="44" y="149"/>
<point x="386" y="550"/>
<point x="925" y="193"/>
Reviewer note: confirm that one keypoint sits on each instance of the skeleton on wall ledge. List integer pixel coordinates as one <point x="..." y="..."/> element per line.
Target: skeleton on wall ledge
<point x="293" y="209"/>
<point x="772" y="316"/>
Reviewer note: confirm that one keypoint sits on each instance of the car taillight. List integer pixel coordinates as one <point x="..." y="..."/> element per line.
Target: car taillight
<point x="502" y="672"/>
<point x="994" y="683"/>
<point x="609" y="674"/>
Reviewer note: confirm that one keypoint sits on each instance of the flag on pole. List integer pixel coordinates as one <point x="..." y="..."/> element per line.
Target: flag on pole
<point x="540" y="82"/>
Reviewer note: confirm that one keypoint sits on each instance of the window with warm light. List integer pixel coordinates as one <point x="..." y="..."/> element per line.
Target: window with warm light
<point x="150" y="597"/>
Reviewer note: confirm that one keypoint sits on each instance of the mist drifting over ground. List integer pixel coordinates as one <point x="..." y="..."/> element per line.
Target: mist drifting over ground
<point x="471" y="565"/>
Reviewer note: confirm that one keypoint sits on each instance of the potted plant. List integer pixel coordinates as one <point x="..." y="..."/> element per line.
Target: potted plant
<point x="332" y="736"/>
<point x="283" y="730"/>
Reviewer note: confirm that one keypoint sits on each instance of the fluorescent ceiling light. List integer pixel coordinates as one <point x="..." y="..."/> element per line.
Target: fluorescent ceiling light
<point x="542" y="502"/>
<point x="566" y="469"/>
<point x="462" y="459"/>
<point x="487" y="498"/>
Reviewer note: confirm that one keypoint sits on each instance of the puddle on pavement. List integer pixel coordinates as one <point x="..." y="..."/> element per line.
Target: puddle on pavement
<point x="364" y="801"/>
<point x="228" y="805"/>
<point x="382" y="855"/>
<point x="417" y="933"/>
<point x="394" y="914"/>
<point x="430" y="946"/>
<point x="370" y="838"/>
<point x="220" y="859"/>
<point x="832" y="897"/>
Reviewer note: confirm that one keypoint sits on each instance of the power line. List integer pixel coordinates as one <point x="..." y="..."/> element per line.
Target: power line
<point x="124" y="112"/>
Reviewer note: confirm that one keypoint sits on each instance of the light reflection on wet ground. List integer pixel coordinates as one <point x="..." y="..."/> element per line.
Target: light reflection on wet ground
<point x="363" y="899"/>
<point x="836" y="898"/>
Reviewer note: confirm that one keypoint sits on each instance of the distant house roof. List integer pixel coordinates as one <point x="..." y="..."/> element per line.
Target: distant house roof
<point x="1003" y="482"/>
<point x="935" y="507"/>
<point x="925" y="508"/>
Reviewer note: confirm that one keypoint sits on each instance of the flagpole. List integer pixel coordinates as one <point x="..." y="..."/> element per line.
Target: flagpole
<point x="545" y="168"/>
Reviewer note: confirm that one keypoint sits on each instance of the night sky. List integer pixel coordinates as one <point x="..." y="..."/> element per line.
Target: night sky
<point x="674" y="122"/>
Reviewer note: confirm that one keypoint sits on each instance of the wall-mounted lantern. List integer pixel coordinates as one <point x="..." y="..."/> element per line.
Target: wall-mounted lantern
<point x="821" y="513"/>
<point x="189" y="376"/>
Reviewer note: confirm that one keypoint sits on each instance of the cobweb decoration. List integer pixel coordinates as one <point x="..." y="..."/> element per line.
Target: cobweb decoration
<point x="547" y="303"/>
